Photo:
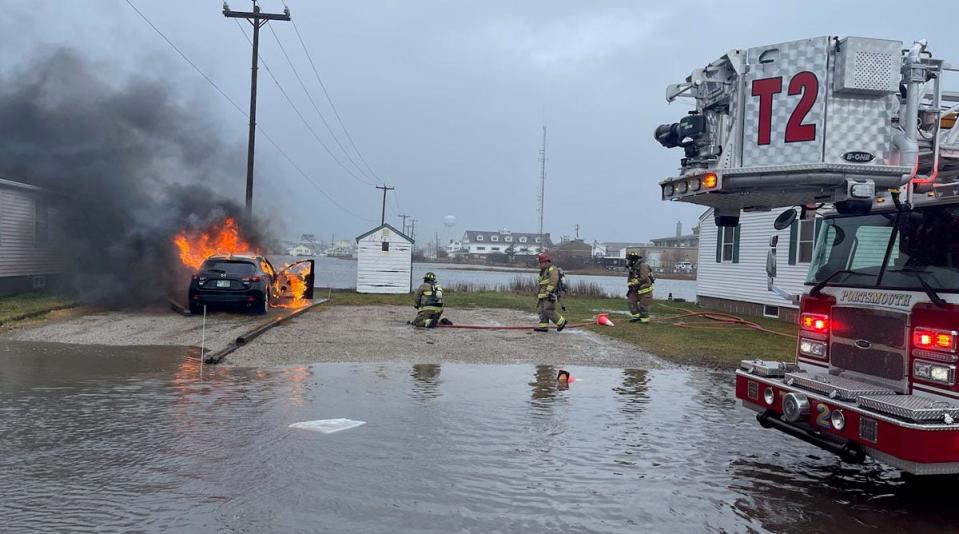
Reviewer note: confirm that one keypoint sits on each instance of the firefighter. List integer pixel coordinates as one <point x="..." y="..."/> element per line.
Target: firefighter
<point x="640" y="282"/>
<point x="548" y="287"/>
<point x="428" y="299"/>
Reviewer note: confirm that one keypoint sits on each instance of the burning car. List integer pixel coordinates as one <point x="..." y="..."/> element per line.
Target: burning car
<point x="226" y="273"/>
<point x="234" y="280"/>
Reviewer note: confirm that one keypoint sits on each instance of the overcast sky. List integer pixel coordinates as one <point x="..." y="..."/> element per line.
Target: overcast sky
<point x="446" y="100"/>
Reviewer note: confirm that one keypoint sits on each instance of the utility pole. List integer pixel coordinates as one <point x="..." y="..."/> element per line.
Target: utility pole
<point x="577" y="230"/>
<point x="413" y="228"/>
<point x="542" y="187"/>
<point x="404" y="217"/>
<point x="383" y="213"/>
<point x="257" y="20"/>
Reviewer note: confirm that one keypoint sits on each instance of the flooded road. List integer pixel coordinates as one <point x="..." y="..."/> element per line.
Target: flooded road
<point x="115" y="439"/>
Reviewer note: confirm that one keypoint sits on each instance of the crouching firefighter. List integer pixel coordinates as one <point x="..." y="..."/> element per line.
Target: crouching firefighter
<point x="640" y="282"/>
<point x="428" y="299"/>
<point x="549" y="280"/>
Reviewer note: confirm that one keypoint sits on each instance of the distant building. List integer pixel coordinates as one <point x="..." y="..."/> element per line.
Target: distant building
<point x="301" y="250"/>
<point x="679" y="240"/>
<point x="478" y="244"/>
<point x="384" y="261"/>
<point x="574" y="248"/>
<point x="341" y="249"/>
<point x="732" y="264"/>
<point x="27" y="256"/>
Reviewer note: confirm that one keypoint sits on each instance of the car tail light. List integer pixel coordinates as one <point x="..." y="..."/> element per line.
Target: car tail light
<point x="934" y="339"/>
<point x="252" y="279"/>
<point x="814" y="322"/>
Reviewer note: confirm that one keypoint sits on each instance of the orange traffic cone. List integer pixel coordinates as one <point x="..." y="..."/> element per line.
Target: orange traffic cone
<point x="603" y="319"/>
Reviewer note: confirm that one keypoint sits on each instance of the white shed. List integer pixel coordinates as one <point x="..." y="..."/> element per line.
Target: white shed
<point x="732" y="263"/>
<point x="384" y="261"/>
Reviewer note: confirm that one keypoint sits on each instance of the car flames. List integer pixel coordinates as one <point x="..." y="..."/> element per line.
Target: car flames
<point x="291" y="282"/>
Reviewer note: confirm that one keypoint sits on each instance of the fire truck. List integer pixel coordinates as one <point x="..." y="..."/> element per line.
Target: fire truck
<point x="861" y="131"/>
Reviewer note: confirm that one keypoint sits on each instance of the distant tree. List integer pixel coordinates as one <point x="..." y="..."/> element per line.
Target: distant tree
<point x="419" y="255"/>
<point x="441" y="253"/>
<point x="497" y="257"/>
<point x="510" y="253"/>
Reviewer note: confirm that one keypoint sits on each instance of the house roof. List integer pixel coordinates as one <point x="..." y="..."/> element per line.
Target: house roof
<point x="19" y="185"/>
<point x="386" y="225"/>
<point x="530" y="237"/>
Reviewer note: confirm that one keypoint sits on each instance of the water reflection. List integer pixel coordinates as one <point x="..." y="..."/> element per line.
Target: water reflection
<point x="634" y="390"/>
<point x="544" y="383"/>
<point x="425" y="381"/>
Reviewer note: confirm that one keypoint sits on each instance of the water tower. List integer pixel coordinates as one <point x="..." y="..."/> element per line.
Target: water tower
<point x="449" y="222"/>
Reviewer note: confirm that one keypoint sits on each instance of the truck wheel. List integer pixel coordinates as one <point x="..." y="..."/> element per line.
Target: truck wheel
<point x="726" y="220"/>
<point x="854" y="206"/>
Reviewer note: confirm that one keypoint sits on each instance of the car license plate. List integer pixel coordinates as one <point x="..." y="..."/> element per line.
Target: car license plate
<point x="222" y="283"/>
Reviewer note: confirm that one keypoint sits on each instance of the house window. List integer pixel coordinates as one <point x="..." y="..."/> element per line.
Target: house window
<point x="386" y="246"/>
<point x="771" y="311"/>
<point x="508" y="239"/>
<point x="494" y="238"/>
<point x="480" y="248"/>
<point x="538" y="240"/>
<point x="479" y="238"/>
<point x="522" y="240"/>
<point x="495" y="249"/>
<point x="727" y="244"/>
<point x="807" y="236"/>
<point x="41" y="224"/>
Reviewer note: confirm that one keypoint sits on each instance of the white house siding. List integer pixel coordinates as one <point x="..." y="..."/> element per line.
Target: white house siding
<point x="20" y="255"/>
<point x="379" y="271"/>
<point x="745" y="282"/>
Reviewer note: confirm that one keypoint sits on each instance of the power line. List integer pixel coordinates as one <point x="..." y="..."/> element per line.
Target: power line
<point x="300" y="114"/>
<point x="330" y="100"/>
<point x="240" y="110"/>
<point x="315" y="107"/>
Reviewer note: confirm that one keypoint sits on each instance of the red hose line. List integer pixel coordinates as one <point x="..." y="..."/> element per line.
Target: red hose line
<point x="514" y="327"/>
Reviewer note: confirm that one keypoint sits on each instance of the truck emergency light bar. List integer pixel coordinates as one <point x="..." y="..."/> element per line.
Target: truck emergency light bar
<point x="822" y="120"/>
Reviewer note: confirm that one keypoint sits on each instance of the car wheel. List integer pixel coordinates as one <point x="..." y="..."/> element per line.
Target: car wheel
<point x="196" y="309"/>
<point x="264" y="307"/>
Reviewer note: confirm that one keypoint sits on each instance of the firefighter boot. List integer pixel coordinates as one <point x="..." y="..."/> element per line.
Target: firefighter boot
<point x="636" y="318"/>
<point x="542" y="327"/>
<point x="562" y="324"/>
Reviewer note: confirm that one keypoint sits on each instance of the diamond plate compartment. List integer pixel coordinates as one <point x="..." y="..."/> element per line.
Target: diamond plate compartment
<point x="768" y="369"/>
<point x="836" y="387"/>
<point x="912" y="407"/>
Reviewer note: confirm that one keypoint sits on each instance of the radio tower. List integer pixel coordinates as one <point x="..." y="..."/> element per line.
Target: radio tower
<point x="542" y="186"/>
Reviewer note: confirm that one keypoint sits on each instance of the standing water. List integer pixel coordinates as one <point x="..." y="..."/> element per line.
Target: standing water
<point x="98" y="438"/>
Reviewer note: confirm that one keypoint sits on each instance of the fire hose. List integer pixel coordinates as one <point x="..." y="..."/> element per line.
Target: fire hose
<point x="511" y="327"/>
<point x="725" y="319"/>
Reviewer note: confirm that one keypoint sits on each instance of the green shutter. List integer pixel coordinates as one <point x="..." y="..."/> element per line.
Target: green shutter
<point x="736" y="243"/>
<point x="793" y="236"/>
<point x="719" y="244"/>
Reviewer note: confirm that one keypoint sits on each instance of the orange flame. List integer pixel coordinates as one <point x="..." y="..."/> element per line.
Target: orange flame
<point x="293" y="278"/>
<point x="196" y="247"/>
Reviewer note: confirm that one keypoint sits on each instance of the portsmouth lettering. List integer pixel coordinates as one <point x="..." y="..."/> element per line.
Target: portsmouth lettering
<point x="879" y="298"/>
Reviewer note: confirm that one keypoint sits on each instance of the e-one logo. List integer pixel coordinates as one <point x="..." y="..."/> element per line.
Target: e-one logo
<point x="900" y="300"/>
<point x="858" y="156"/>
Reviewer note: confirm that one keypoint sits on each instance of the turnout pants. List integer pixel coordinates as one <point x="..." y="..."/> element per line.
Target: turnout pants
<point x="547" y="313"/>
<point x="639" y="302"/>
<point x="428" y="317"/>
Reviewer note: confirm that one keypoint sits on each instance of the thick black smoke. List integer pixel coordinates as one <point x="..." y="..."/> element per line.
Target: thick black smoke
<point x="129" y="165"/>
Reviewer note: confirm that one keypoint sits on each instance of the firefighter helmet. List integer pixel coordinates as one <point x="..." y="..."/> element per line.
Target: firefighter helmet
<point x="429" y="277"/>
<point x="543" y="257"/>
<point x="633" y="256"/>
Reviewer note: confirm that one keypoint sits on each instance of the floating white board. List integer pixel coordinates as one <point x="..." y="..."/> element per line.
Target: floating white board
<point x="328" y="426"/>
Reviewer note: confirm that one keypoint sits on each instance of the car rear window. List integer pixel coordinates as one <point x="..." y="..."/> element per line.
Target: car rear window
<point x="231" y="268"/>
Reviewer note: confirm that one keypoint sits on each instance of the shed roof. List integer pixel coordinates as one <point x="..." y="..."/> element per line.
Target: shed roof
<point x="386" y="225"/>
